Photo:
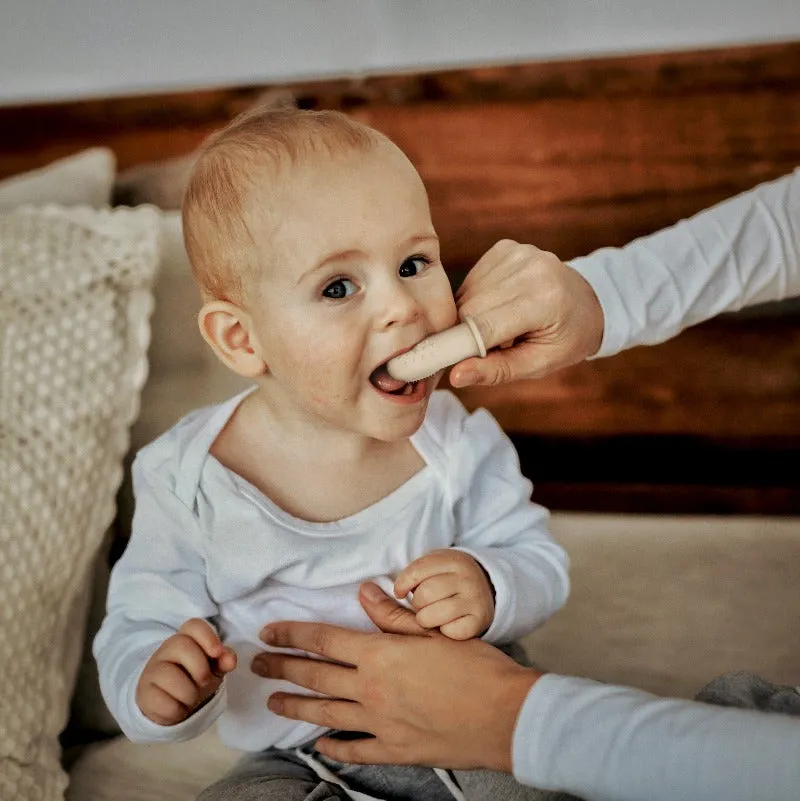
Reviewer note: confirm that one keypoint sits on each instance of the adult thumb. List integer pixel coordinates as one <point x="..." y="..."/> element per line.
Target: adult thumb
<point x="497" y="367"/>
<point x="386" y="613"/>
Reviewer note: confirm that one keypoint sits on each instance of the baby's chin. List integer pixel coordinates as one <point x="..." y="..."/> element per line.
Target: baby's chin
<point x="397" y="427"/>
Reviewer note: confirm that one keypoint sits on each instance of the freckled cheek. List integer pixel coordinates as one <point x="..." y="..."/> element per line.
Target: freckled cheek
<point x="326" y="371"/>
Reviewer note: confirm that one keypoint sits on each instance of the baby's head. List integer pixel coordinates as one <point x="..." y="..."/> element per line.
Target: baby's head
<point x="310" y="237"/>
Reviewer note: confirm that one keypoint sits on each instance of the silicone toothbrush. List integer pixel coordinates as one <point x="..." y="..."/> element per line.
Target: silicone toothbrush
<point x="437" y="352"/>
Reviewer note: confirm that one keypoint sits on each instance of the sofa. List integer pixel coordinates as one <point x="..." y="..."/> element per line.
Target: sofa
<point x="99" y="353"/>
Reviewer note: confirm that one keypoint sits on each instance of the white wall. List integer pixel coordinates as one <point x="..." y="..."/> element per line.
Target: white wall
<point x="78" y="48"/>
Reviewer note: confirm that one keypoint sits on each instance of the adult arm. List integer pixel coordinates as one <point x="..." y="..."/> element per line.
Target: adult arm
<point x="741" y="252"/>
<point x="607" y="743"/>
<point x="429" y="700"/>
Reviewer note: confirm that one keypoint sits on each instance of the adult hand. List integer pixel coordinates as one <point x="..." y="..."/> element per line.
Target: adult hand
<point x="542" y="314"/>
<point x="426" y="699"/>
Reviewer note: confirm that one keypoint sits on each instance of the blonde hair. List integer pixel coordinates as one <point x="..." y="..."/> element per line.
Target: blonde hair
<point x="230" y="165"/>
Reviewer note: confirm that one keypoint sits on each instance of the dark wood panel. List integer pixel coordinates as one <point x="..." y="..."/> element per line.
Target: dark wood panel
<point x="680" y="499"/>
<point x="664" y="474"/>
<point x="570" y="156"/>
<point x="728" y="379"/>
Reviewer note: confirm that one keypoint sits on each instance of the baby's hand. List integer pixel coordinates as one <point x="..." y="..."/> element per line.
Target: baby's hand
<point x="451" y="592"/>
<point x="183" y="673"/>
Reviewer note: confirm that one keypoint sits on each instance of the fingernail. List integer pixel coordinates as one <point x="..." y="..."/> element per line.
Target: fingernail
<point x="259" y="666"/>
<point x="267" y="635"/>
<point x="275" y="704"/>
<point x="372" y="592"/>
<point x="465" y="379"/>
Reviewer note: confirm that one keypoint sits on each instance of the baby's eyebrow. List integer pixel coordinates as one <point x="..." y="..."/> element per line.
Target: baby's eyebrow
<point x="417" y="240"/>
<point x="342" y="255"/>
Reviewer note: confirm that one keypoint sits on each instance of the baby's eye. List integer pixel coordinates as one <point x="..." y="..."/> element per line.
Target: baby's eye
<point x="413" y="266"/>
<point x="340" y="288"/>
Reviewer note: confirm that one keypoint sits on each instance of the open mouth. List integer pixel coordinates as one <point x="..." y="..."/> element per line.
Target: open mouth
<point x="380" y="379"/>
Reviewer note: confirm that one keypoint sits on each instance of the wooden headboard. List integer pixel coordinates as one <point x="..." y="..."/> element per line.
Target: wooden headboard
<point x="570" y="156"/>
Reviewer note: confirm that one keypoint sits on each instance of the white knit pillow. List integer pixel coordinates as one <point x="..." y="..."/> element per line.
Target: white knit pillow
<point x="75" y="299"/>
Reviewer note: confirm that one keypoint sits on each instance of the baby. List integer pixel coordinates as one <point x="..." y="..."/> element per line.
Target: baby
<point x="311" y="239"/>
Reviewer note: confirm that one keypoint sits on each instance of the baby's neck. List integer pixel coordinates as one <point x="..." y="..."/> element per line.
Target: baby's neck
<point x="312" y="477"/>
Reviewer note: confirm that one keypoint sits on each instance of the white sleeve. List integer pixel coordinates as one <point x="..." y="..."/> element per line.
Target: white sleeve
<point x="155" y="587"/>
<point x="743" y="251"/>
<point x="504" y="531"/>
<point x="606" y="743"/>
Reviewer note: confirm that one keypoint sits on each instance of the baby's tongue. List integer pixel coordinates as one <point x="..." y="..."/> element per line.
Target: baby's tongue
<point x="382" y="380"/>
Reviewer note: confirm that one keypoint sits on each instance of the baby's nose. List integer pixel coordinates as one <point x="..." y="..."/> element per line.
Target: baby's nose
<point x="398" y="306"/>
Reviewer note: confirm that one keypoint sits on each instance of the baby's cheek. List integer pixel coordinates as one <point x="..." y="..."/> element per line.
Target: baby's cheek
<point x="446" y="311"/>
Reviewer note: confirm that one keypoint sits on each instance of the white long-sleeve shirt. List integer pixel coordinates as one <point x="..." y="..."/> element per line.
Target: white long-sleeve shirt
<point x="607" y="743"/>
<point x="207" y="543"/>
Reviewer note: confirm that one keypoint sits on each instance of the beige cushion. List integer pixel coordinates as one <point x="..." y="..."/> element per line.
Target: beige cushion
<point x="74" y="305"/>
<point x="83" y="179"/>
<point x="666" y="603"/>
<point x="177" y="771"/>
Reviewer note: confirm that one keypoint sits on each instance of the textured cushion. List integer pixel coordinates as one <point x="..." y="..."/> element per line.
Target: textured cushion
<point x="74" y="305"/>
<point x="83" y="179"/>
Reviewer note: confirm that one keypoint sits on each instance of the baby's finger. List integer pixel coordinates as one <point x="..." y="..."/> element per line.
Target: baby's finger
<point x="226" y="662"/>
<point x="160" y="706"/>
<point x="435" y="588"/>
<point x="185" y="652"/>
<point x="204" y="635"/>
<point x="420" y="569"/>
<point x="440" y="613"/>
<point x="176" y="683"/>
<point x="464" y="628"/>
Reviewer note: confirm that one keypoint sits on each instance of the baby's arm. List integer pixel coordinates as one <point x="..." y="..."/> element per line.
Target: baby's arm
<point x="156" y="587"/>
<point x="499" y="527"/>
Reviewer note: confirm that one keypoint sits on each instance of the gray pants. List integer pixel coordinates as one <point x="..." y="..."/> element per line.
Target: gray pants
<point x="275" y="775"/>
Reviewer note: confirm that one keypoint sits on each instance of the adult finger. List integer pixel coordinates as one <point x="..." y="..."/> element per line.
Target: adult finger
<point x="331" y="713"/>
<point x="483" y="273"/>
<point x="388" y="615"/>
<point x="502" y="366"/>
<point x="332" y="642"/>
<point x="328" y="678"/>
<point x="500" y="318"/>
<point x="366" y="751"/>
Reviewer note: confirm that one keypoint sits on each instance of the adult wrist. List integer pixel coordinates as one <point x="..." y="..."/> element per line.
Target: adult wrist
<point x="515" y="691"/>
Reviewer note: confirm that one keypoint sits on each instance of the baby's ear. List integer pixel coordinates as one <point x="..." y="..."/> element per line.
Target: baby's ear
<point x="228" y="330"/>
